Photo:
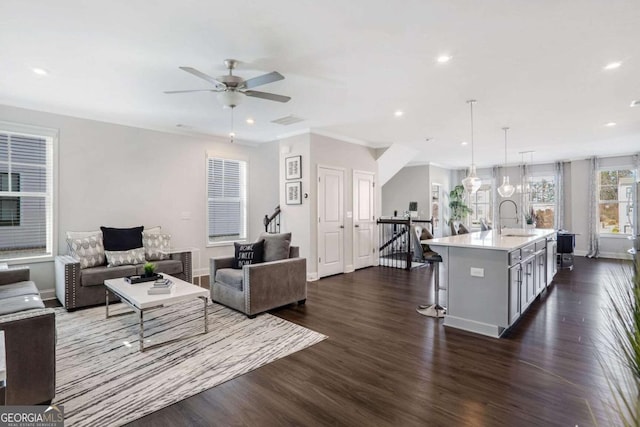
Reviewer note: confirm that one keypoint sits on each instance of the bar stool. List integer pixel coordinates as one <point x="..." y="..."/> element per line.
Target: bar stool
<point x="435" y="309"/>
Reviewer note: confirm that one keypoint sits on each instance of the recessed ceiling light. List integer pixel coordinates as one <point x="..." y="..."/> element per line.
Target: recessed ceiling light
<point x="398" y="113"/>
<point x="612" y="65"/>
<point x="250" y="121"/>
<point x="443" y="58"/>
<point x="464" y="143"/>
<point x="635" y="103"/>
<point x="610" y="124"/>
<point x="40" y="71"/>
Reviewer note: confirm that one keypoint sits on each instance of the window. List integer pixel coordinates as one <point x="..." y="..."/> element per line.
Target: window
<point x="226" y="200"/>
<point x="26" y="192"/>
<point x="481" y="204"/>
<point x="615" y="206"/>
<point x="543" y="200"/>
<point x="9" y="206"/>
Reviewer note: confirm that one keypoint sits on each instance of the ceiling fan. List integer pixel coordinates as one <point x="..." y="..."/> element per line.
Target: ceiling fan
<point x="232" y="89"/>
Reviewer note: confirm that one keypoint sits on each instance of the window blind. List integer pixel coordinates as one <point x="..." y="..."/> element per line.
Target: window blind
<point x="226" y="200"/>
<point x="26" y="190"/>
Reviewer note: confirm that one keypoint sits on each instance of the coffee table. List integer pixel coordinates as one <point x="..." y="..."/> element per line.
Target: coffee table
<point x="136" y="297"/>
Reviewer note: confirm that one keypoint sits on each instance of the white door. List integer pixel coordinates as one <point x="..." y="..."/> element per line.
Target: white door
<point x="363" y="219"/>
<point x="330" y="221"/>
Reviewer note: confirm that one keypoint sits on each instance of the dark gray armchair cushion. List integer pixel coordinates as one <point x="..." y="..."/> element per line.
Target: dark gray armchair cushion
<point x="276" y="246"/>
<point x="231" y="277"/>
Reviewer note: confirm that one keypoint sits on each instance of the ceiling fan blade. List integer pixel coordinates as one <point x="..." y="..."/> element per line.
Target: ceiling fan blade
<point x="271" y="77"/>
<point x="218" y="85"/>
<point x="269" y="96"/>
<point x="187" y="91"/>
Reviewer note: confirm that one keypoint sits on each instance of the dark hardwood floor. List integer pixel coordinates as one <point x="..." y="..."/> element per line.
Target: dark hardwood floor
<point x="384" y="364"/>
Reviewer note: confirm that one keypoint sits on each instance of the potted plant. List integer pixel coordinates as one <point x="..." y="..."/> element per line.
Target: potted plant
<point x="149" y="269"/>
<point x="620" y="357"/>
<point x="458" y="209"/>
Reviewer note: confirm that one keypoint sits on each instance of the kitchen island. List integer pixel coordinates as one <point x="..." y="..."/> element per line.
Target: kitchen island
<point x="492" y="277"/>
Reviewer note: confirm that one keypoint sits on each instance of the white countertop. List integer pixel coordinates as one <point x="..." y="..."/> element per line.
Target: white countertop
<point x="507" y="240"/>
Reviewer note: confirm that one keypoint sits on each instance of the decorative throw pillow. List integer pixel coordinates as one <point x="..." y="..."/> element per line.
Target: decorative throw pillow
<point x="130" y="257"/>
<point x="153" y="230"/>
<point x="157" y="246"/>
<point x="276" y="246"/>
<point x="88" y="250"/>
<point x="122" y="239"/>
<point x="248" y="253"/>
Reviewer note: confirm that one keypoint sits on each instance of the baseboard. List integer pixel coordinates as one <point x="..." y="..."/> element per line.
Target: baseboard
<point x="200" y="272"/>
<point x="615" y="255"/>
<point x="48" y="294"/>
<point x="312" y="277"/>
<point x="349" y="268"/>
<point x="611" y="255"/>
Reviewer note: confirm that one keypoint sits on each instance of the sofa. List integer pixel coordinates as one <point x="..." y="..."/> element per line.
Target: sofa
<point x="80" y="275"/>
<point x="30" y="340"/>
<point x="258" y="287"/>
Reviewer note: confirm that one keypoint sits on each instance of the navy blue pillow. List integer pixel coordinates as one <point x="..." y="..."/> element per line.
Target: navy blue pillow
<point x="248" y="253"/>
<point x="121" y="239"/>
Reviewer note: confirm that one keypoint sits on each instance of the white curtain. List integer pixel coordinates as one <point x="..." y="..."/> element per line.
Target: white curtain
<point x="594" y="227"/>
<point x="558" y="219"/>
<point x="636" y="202"/>
<point x="495" y="174"/>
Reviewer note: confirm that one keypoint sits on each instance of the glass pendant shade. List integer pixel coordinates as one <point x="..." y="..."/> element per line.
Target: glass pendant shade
<point x="506" y="189"/>
<point x="472" y="183"/>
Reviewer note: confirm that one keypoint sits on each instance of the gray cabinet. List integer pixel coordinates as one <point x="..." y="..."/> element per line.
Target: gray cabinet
<point x="541" y="269"/>
<point x="528" y="282"/>
<point x="515" y="280"/>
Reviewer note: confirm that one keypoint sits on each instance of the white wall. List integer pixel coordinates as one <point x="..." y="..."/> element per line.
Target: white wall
<point x="410" y="184"/>
<point x="297" y="218"/>
<point x="121" y="176"/>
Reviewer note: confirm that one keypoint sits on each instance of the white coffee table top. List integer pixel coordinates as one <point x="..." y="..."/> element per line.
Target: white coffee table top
<point x="137" y="295"/>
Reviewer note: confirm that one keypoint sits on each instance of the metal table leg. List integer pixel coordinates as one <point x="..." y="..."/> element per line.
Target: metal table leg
<point x="141" y="330"/>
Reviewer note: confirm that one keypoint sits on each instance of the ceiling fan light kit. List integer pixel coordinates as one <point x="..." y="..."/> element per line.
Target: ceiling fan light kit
<point x="232" y="89"/>
<point x="472" y="182"/>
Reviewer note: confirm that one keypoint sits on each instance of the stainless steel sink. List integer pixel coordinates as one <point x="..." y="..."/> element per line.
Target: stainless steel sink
<point x="518" y="235"/>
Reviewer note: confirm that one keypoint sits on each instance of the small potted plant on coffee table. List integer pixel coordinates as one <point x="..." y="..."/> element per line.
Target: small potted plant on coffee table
<point x="149" y="269"/>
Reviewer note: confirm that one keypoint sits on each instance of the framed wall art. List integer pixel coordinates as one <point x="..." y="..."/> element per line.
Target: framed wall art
<point x="293" y="191"/>
<point x="293" y="167"/>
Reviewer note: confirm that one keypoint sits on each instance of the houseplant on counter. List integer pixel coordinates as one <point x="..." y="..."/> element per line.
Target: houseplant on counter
<point x="458" y="209"/>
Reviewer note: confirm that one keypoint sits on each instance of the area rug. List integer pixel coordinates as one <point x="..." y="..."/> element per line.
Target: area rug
<point x="102" y="378"/>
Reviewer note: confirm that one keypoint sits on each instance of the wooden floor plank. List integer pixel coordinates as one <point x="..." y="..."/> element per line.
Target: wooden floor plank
<point x="384" y="364"/>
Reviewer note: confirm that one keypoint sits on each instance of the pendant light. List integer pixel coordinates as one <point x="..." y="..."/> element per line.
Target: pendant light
<point x="472" y="183"/>
<point x="506" y="189"/>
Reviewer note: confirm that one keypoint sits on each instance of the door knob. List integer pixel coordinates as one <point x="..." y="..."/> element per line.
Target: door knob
<point x="357" y="225"/>
<point x="342" y="226"/>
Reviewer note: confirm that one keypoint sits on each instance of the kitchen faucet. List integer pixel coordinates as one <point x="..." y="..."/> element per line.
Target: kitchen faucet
<point x="500" y="209"/>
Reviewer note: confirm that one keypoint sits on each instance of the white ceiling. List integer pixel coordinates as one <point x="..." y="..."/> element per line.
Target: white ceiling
<point x="536" y="66"/>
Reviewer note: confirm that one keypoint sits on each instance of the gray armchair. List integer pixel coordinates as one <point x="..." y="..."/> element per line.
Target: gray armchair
<point x="30" y="340"/>
<point x="259" y="287"/>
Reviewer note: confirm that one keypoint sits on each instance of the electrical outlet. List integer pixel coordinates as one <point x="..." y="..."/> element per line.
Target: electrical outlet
<point x="477" y="272"/>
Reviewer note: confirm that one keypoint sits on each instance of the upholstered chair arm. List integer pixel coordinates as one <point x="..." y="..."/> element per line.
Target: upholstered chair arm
<point x="14" y="275"/>
<point x="30" y="343"/>
<point x="187" y="266"/>
<point x="67" y="271"/>
<point x="270" y="284"/>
